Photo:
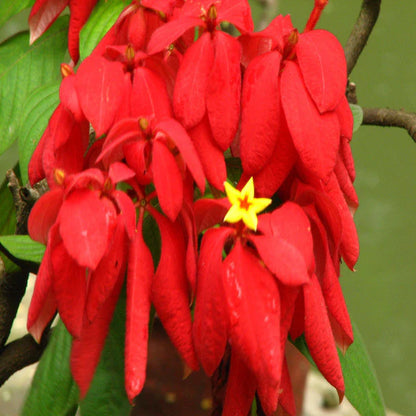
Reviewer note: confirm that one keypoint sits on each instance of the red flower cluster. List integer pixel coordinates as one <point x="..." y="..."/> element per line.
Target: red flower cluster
<point x="155" y="107"/>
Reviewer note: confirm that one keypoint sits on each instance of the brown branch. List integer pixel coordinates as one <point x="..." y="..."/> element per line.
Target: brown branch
<point x="361" y="31"/>
<point x="24" y="197"/>
<point x="12" y="290"/>
<point x="19" y="354"/>
<point x="391" y="118"/>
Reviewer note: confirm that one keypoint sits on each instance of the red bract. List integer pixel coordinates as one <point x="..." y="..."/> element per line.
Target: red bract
<point x="152" y="148"/>
<point x="45" y="12"/>
<point x="238" y="300"/>
<point x="209" y="78"/>
<point x="303" y="78"/>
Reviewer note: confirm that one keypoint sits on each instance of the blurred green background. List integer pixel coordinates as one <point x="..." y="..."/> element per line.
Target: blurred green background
<point x="381" y="293"/>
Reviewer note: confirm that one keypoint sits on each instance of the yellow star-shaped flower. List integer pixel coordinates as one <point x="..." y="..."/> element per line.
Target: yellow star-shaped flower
<point x="244" y="206"/>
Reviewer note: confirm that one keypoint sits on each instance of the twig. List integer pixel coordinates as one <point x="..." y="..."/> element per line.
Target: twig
<point x="12" y="290"/>
<point x="391" y="118"/>
<point x="19" y="354"/>
<point x="24" y="197"/>
<point x="361" y="31"/>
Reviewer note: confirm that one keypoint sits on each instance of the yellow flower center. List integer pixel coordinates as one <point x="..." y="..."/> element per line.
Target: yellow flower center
<point x="244" y="207"/>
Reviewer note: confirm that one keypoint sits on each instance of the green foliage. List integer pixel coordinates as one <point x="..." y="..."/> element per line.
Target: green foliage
<point x="23" y="247"/>
<point x="357" y="113"/>
<point x="104" y="15"/>
<point x="24" y="68"/>
<point x="10" y="8"/>
<point x="53" y="390"/>
<point x="37" y="110"/>
<point x="107" y="396"/>
<point x="361" y="385"/>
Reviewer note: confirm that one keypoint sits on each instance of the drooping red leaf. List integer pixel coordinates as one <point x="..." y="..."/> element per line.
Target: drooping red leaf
<point x="241" y="387"/>
<point x="345" y="184"/>
<point x="170" y="290"/>
<point x="84" y="227"/>
<point x="286" y="398"/>
<point x="121" y="133"/>
<point x="43" y="14"/>
<point x="86" y="350"/>
<point x="192" y="80"/>
<point x="167" y="179"/>
<point x="254" y="312"/>
<point x="100" y="86"/>
<point x="69" y="285"/>
<point x="329" y="281"/>
<point x="260" y="112"/>
<point x="345" y="117"/>
<point x="187" y="219"/>
<point x="127" y="211"/>
<point x="282" y="258"/>
<point x="210" y="155"/>
<point x="290" y="223"/>
<point x="113" y="264"/>
<point x="186" y="148"/>
<point x="210" y="212"/>
<point x="43" y="215"/>
<point x="319" y="337"/>
<point x="69" y="97"/>
<point x="315" y="136"/>
<point x="119" y="172"/>
<point x="349" y="244"/>
<point x="149" y="96"/>
<point x="268" y="180"/>
<point x="79" y="13"/>
<point x="138" y="157"/>
<point x="345" y="151"/>
<point x="43" y="303"/>
<point x="139" y="281"/>
<point x="169" y="32"/>
<point x="210" y="315"/>
<point x="322" y="63"/>
<point x="223" y="89"/>
<point x="35" y="167"/>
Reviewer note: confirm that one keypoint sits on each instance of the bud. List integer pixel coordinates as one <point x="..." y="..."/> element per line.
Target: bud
<point x="59" y="176"/>
<point x="66" y="70"/>
<point x="143" y="124"/>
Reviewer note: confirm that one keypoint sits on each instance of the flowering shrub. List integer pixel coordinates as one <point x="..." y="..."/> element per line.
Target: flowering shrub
<point x="149" y="126"/>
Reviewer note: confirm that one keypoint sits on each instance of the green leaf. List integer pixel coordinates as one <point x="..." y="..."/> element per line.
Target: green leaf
<point x="37" y="110"/>
<point x="24" y="68"/>
<point x="357" y="113"/>
<point x="10" y="8"/>
<point x="107" y="396"/>
<point x="53" y="390"/>
<point x="23" y="247"/>
<point x="361" y="385"/>
<point x="103" y="16"/>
